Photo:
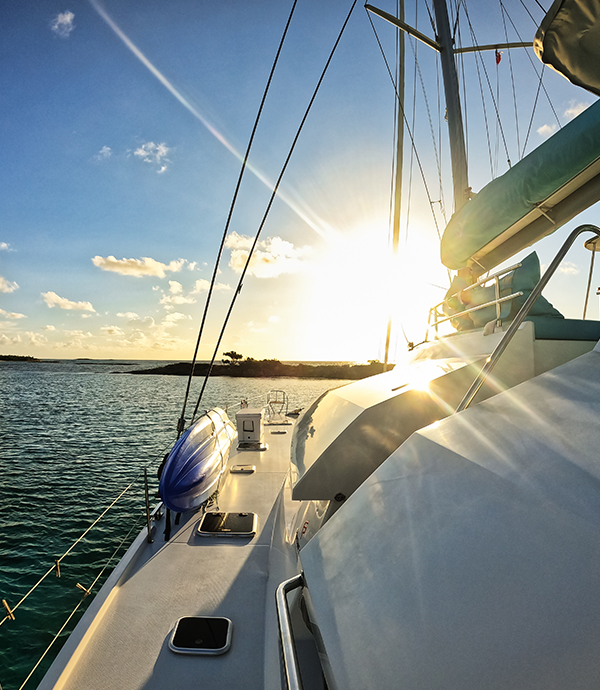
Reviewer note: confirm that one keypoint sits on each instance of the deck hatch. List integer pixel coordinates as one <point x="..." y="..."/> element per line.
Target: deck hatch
<point x="201" y="635"/>
<point x="228" y="525"/>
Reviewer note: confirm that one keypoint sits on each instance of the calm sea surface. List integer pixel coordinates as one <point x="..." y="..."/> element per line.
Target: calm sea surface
<point x="73" y="436"/>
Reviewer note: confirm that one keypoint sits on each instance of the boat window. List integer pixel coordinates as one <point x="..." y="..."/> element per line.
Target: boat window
<point x="248" y="425"/>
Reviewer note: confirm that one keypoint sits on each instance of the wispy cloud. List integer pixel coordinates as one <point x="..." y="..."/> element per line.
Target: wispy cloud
<point x="131" y="315"/>
<point x="306" y="214"/>
<point x="272" y="257"/>
<point x="63" y="24"/>
<point x="7" y="285"/>
<point x="546" y="130"/>
<point x="79" y="334"/>
<point x="6" y="340"/>
<point x="36" y="338"/>
<point x="154" y="154"/>
<point x="104" y="153"/>
<point x="202" y="285"/>
<point x="53" y="300"/>
<point x="575" y="108"/>
<point x="172" y="318"/>
<point x="48" y="327"/>
<point x="112" y="330"/>
<point x="568" y="268"/>
<point x="175" y="295"/>
<point x="5" y="247"/>
<point x="137" y="267"/>
<point x="12" y="314"/>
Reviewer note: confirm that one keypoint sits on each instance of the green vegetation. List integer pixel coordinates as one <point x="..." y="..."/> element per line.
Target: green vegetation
<point x="249" y="367"/>
<point x="18" y="358"/>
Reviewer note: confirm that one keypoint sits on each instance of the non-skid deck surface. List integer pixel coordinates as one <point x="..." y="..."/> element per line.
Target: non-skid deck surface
<point x="126" y="647"/>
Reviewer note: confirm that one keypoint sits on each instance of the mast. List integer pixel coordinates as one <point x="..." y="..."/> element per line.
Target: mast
<point x="458" y="153"/>
<point x="399" y="157"/>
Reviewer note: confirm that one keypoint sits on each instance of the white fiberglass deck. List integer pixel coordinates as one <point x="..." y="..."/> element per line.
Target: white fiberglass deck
<point x="122" y="641"/>
<point x="469" y="559"/>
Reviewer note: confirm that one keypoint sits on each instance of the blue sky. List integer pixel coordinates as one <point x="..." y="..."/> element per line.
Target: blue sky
<point x="119" y="125"/>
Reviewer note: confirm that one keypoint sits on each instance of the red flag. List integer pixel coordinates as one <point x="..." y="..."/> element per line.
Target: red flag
<point x="498" y="57"/>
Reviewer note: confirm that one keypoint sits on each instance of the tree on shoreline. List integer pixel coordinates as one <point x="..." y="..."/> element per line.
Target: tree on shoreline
<point x="233" y="357"/>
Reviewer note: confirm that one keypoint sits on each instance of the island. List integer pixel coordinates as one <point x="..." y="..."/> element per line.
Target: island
<point x="249" y="367"/>
<point x="18" y="358"/>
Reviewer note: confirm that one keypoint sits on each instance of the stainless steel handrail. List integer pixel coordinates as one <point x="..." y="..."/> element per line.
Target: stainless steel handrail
<point x="478" y="307"/>
<point x="286" y="636"/>
<point x="482" y="281"/>
<point x="519" y="318"/>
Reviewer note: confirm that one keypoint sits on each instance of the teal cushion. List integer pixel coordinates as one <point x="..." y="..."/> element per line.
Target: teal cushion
<point x="564" y="329"/>
<point x="522" y="279"/>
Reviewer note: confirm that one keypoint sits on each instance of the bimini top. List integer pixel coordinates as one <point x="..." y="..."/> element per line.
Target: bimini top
<point x="534" y="198"/>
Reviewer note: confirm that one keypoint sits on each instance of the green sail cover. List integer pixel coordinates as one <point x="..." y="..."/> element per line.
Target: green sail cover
<point x="544" y="190"/>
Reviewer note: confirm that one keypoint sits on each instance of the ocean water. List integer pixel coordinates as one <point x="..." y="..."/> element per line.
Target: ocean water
<point x="73" y="436"/>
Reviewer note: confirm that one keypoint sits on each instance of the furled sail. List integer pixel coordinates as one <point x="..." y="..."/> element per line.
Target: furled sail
<point x="569" y="41"/>
<point x="544" y="190"/>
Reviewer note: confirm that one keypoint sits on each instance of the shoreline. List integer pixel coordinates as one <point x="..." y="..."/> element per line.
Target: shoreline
<point x="270" y="368"/>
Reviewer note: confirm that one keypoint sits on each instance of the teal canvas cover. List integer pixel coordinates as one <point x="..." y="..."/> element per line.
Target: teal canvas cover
<point x="527" y="185"/>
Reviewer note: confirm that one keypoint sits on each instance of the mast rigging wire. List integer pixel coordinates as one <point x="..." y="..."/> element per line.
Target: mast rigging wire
<point x="477" y="54"/>
<point x="410" y="134"/>
<point x="534" y="66"/>
<point x="512" y="81"/>
<point x="537" y="95"/>
<point x="269" y="205"/>
<point x="181" y="421"/>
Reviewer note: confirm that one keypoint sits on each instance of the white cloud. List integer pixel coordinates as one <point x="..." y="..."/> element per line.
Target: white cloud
<point x="177" y="299"/>
<point x="274" y="319"/>
<point x="112" y="330"/>
<point x="175" y="288"/>
<point x="172" y="318"/>
<point x="104" y="153"/>
<point x="36" y="338"/>
<point x="53" y="300"/>
<point x="63" y="24"/>
<point x="272" y="257"/>
<point x="137" y="267"/>
<point x="568" y="268"/>
<point x="7" y="285"/>
<point x="575" y="109"/>
<point x="202" y="285"/>
<point x="4" y="246"/>
<point x="254" y="328"/>
<point x="12" y="314"/>
<point x="154" y="154"/>
<point x="192" y="265"/>
<point x="78" y="334"/>
<point x="546" y="130"/>
<point x="49" y="327"/>
<point x="131" y="315"/>
<point x="5" y="340"/>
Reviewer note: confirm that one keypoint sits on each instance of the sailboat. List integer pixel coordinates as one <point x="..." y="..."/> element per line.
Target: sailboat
<point x="435" y="526"/>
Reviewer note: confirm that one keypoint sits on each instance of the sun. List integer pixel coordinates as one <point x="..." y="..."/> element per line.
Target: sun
<point x="356" y="285"/>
